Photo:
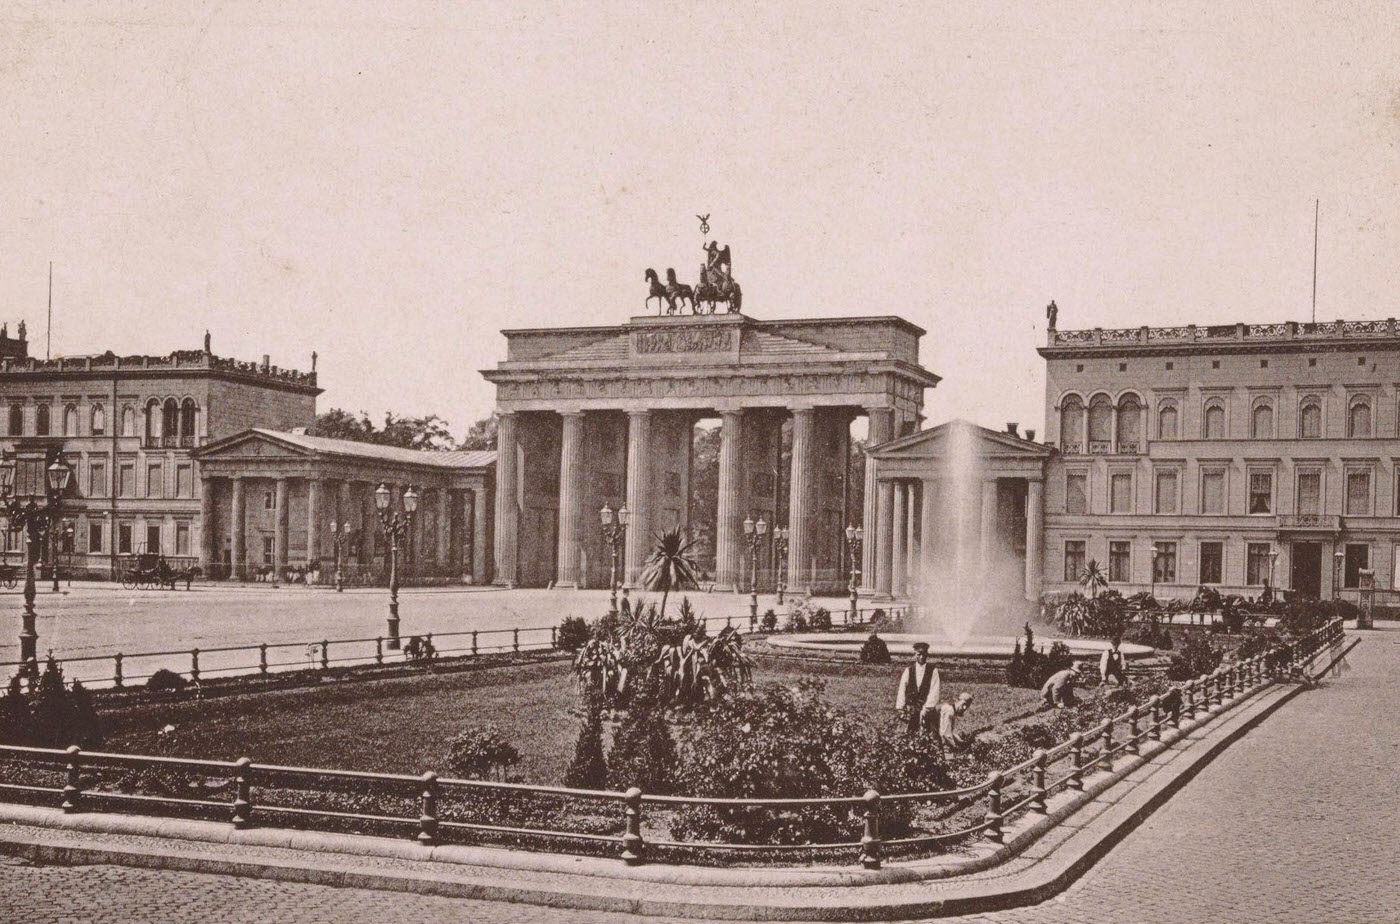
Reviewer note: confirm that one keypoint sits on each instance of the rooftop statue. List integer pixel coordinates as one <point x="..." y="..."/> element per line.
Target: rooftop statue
<point x="1052" y="314"/>
<point x="716" y="283"/>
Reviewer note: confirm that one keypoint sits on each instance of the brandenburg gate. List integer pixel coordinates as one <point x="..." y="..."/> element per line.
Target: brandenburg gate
<point x="590" y="416"/>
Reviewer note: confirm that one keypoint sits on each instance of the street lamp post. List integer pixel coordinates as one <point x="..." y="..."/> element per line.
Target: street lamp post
<point x="1155" y="552"/>
<point x="1273" y="557"/>
<point x="855" y="536"/>
<point x="1337" y="558"/>
<point x="780" y="550"/>
<point x="396" y="527"/>
<point x="340" y="537"/>
<point x="615" y="532"/>
<point x="754" y="533"/>
<point x="33" y="512"/>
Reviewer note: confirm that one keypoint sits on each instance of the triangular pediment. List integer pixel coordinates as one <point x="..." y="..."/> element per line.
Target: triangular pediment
<point x="255" y="443"/>
<point x="937" y="442"/>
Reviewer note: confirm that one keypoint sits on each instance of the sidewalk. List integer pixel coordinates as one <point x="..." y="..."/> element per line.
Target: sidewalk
<point x="905" y="890"/>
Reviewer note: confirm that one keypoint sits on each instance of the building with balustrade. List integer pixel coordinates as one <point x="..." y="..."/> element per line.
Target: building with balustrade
<point x="1231" y="455"/>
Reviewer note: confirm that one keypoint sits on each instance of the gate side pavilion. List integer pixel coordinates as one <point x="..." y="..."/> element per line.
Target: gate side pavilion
<point x="604" y="415"/>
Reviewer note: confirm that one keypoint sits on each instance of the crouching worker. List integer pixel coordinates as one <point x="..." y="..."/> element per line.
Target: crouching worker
<point x="948" y="715"/>
<point x="1058" y="690"/>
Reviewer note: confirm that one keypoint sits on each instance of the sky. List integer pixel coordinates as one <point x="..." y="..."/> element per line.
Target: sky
<point x="390" y="185"/>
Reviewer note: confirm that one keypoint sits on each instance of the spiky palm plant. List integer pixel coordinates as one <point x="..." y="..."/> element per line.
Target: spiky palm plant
<point x="1092" y="578"/>
<point x="670" y="566"/>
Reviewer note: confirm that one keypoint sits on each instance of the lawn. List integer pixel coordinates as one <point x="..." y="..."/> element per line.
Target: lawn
<point x="403" y="725"/>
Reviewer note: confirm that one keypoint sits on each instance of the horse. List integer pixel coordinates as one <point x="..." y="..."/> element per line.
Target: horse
<point x="678" y="292"/>
<point x="720" y="290"/>
<point x="658" y="292"/>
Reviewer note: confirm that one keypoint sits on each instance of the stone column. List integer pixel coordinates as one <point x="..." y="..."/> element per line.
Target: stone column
<point x="507" y="499"/>
<point x="928" y="492"/>
<point x="729" y="515"/>
<point x="911" y="545"/>
<point x="989" y="521"/>
<point x="444" y="528"/>
<point x="800" y="500"/>
<point x="478" y="528"/>
<point x="1035" y="538"/>
<point x="238" y="547"/>
<point x="571" y="498"/>
<point x="313" y="522"/>
<point x="344" y="509"/>
<point x="638" y="495"/>
<point x="900" y="559"/>
<point x="883" y="538"/>
<point x="208" y="536"/>
<point x="279" y="519"/>
<point x="881" y="430"/>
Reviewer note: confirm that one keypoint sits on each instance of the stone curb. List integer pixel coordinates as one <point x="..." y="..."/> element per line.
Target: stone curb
<point x="1027" y="870"/>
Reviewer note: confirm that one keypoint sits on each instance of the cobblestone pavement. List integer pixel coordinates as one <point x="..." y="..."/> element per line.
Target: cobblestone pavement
<point x="1296" y="822"/>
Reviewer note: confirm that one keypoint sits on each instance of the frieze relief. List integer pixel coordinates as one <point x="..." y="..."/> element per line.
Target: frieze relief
<point x="718" y="387"/>
<point x="685" y="340"/>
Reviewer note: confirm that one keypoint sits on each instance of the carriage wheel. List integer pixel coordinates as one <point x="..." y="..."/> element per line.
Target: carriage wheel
<point x="10" y="581"/>
<point x="128" y="582"/>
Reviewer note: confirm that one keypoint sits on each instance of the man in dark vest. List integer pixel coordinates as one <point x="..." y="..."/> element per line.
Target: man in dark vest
<point x="919" y="689"/>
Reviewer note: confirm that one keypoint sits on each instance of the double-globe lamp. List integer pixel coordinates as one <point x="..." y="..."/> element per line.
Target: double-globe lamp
<point x="396" y="526"/>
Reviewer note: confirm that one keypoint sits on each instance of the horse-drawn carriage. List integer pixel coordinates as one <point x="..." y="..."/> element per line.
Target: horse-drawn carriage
<point x="151" y="570"/>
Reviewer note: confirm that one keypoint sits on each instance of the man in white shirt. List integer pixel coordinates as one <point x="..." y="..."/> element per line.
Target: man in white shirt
<point x="1112" y="664"/>
<point x="919" y="687"/>
<point x="1058" y="690"/>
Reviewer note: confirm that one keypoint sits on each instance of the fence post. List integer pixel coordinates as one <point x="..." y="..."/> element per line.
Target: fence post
<point x="427" y="801"/>
<point x="72" y="792"/>
<point x="515" y="639"/>
<point x="1106" y="758"/>
<point x="632" y="845"/>
<point x="870" y="845"/>
<point x="553" y="637"/>
<point x="242" y="790"/>
<point x="1154" y="731"/>
<point x="117" y="670"/>
<point x="379" y="650"/>
<point x="194" y="664"/>
<point x="993" y="819"/>
<point x="325" y="655"/>
<point x="1133" y="731"/>
<point x="262" y="659"/>
<point x="473" y="643"/>
<point x="1076" y="761"/>
<point x="1037" y="804"/>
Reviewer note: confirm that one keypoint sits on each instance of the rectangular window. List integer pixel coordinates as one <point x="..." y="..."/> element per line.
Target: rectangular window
<point x="1309" y="492"/>
<point x="1256" y="569"/>
<point x="1120" y="493"/>
<point x="1119" y="562"/>
<point x="1164" y="563"/>
<point x="124" y="534"/>
<point x="1358" y="494"/>
<point x="94" y="537"/>
<point x="1074" y="559"/>
<point x="97" y="479"/>
<point x="182" y="538"/>
<point x="153" y="538"/>
<point x="1261" y="492"/>
<point x="1213" y="492"/>
<point x="154" y="481"/>
<point x="128" y="480"/>
<point x="183" y="481"/>
<point x="267" y="547"/>
<point x="1212" y="562"/>
<point x="1358" y="556"/>
<point x="269" y="500"/>
<point x="1166" y="492"/>
<point x="1076" y="492"/>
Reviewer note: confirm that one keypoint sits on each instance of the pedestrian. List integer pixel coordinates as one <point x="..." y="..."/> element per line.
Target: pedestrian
<point x="1113" y="664"/>
<point x="1058" y="690"/>
<point x="948" y="715"/>
<point x="919" y="689"/>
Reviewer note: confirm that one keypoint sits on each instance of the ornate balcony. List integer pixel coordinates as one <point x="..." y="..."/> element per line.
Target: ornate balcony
<point x="1100" y="447"/>
<point x="1127" y="448"/>
<point x="1072" y="447"/>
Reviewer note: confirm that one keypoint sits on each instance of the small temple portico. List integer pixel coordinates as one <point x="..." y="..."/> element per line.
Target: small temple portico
<point x="590" y="416"/>
<point x="996" y="478"/>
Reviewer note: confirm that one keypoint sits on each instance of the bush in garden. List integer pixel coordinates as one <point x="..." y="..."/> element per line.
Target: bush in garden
<point x="874" y="651"/>
<point x="786" y="742"/>
<point x="572" y="635"/>
<point x="52" y="710"/>
<point x="482" y="752"/>
<point x="881" y="621"/>
<point x="820" y="620"/>
<point x="643" y="752"/>
<point x="165" y="681"/>
<point x="1196" y="657"/>
<point x="769" y="621"/>
<point x="86" y="728"/>
<point x="1153" y="634"/>
<point x="588" y="769"/>
<point x="16" y="724"/>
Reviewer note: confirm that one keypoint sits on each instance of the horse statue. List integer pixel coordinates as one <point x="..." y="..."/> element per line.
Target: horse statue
<point x="716" y="287"/>
<point x="658" y="292"/>
<point x="678" y="293"/>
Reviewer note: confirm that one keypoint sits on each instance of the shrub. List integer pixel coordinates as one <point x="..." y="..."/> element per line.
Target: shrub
<point x="572" y="635"/>
<point x="874" y="651"/>
<point x="797" y="620"/>
<point x="52" y="709"/>
<point x="1196" y="657"/>
<point x="165" y="681"/>
<point x="482" y="752"/>
<point x="1154" y="634"/>
<point x="769" y="621"/>
<point x="1030" y="668"/>
<point x="880" y="621"/>
<point x="588" y="769"/>
<point x="643" y="753"/>
<point x="821" y="620"/>
<point x="86" y="728"/>
<point x="16" y="725"/>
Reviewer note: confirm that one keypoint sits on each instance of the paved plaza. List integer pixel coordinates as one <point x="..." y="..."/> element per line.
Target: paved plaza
<point x="1291" y="824"/>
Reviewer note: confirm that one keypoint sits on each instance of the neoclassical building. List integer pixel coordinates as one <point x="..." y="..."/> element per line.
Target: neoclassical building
<point x="604" y="415"/>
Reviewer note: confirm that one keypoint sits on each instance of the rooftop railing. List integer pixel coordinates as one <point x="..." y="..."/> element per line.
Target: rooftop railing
<point x="1191" y="333"/>
<point x="179" y="359"/>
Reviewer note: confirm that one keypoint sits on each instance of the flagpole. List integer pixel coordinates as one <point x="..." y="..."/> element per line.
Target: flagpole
<point x="48" y="335"/>
<point x="1317" y="205"/>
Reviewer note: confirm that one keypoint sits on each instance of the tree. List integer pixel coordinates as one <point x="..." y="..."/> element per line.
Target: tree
<point x="342" y="425"/>
<point x="670" y="566"/>
<point x="428" y="432"/>
<point x="481" y="435"/>
<point x="1092" y="578"/>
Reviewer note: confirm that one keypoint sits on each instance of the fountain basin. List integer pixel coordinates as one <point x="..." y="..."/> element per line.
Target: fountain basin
<point x="981" y="647"/>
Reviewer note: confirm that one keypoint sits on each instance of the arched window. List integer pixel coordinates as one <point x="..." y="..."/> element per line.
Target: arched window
<point x="99" y="420"/>
<point x="152" y="419"/>
<point x="41" y="420"/>
<point x="16" y="420"/>
<point x="70" y="420"/>
<point x="1310" y="419"/>
<point x="1262" y="424"/>
<point x="1129" y="423"/>
<point x="170" y="419"/>
<point x="1167" y="421"/>
<point x="1100" y="420"/>
<point x="128" y="421"/>
<point x="187" y="418"/>
<point x="1359" y="418"/>
<point x="1072" y="423"/>
<point x="1213" y="421"/>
